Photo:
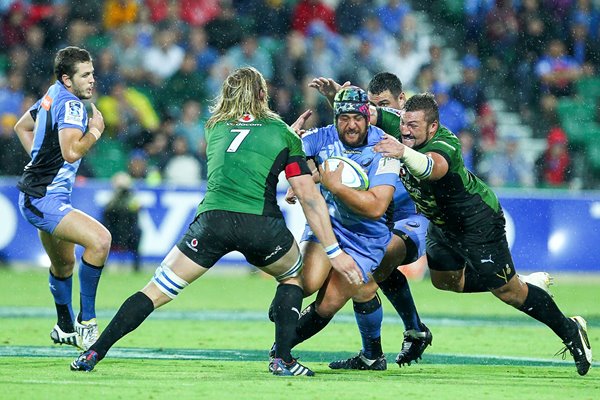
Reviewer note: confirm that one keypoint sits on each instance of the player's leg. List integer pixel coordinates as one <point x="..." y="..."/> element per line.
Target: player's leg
<point x="182" y="265"/>
<point x="369" y="316"/>
<point x="268" y="244"/>
<point x="60" y="279"/>
<point x="78" y="227"/>
<point x="490" y="257"/>
<point x="539" y="304"/>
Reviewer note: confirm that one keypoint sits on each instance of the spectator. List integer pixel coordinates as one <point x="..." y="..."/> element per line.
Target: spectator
<point x="308" y="11"/>
<point x="198" y="45"/>
<point x="130" y="60"/>
<point x="471" y="152"/>
<point x="182" y="169"/>
<point x="225" y="30"/>
<point x="452" y="114"/>
<point x="557" y="71"/>
<point x="186" y="84"/>
<point x="40" y="61"/>
<point x="126" y="110"/>
<point x="553" y="167"/>
<point x="12" y="94"/>
<point x="120" y="216"/>
<point x="199" y="12"/>
<point x="349" y="15"/>
<point x="392" y="15"/>
<point x="165" y="57"/>
<point x="470" y="91"/>
<point x="119" y="12"/>
<point x="191" y="128"/>
<point x="249" y="53"/>
<point x="405" y="63"/>
<point x="508" y="167"/>
<point x="13" y="156"/>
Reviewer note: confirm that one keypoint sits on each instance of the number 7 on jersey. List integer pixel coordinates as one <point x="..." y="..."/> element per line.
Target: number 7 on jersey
<point x="237" y="141"/>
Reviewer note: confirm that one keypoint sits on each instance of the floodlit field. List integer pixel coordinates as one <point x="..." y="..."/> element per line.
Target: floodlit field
<point x="212" y="342"/>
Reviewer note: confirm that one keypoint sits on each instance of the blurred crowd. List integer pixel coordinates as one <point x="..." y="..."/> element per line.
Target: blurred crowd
<point x="158" y="64"/>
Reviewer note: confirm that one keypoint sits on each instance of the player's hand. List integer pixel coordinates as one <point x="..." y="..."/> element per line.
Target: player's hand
<point x="346" y="266"/>
<point x="96" y="122"/>
<point x="374" y="115"/>
<point x="331" y="179"/>
<point x="390" y="147"/>
<point x="290" y="196"/>
<point x="299" y="123"/>
<point x="327" y="87"/>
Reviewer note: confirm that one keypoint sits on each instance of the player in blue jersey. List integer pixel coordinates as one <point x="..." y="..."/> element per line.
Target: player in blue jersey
<point x="57" y="133"/>
<point x="360" y="219"/>
<point x="407" y="245"/>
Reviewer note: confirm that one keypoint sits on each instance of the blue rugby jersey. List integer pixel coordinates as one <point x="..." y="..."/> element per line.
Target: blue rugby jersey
<point x="322" y="143"/>
<point x="48" y="172"/>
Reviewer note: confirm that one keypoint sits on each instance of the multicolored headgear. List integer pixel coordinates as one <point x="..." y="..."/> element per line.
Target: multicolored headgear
<point x="351" y="100"/>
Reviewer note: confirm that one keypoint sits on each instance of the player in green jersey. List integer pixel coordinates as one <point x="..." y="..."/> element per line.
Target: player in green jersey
<point x="248" y="146"/>
<point x="467" y="250"/>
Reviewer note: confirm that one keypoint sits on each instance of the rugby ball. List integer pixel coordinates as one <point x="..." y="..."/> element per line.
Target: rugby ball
<point x="353" y="175"/>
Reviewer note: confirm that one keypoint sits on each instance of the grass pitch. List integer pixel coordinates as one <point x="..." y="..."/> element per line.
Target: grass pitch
<point x="212" y="342"/>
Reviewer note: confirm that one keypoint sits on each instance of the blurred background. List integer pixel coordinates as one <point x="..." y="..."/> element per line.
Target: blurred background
<point x="517" y="81"/>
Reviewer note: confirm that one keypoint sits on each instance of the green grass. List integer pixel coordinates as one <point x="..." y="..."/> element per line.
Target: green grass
<point x="482" y="348"/>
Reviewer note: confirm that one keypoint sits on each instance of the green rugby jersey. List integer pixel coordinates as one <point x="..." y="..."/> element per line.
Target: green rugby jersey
<point x="457" y="200"/>
<point x="388" y="120"/>
<point x="245" y="159"/>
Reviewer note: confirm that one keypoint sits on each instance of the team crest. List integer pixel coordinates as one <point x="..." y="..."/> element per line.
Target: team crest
<point x="247" y="118"/>
<point x="74" y="112"/>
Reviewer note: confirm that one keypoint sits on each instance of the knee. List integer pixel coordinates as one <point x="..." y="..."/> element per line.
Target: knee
<point x="510" y="295"/>
<point x="103" y="242"/>
<point x="327" y="308"/>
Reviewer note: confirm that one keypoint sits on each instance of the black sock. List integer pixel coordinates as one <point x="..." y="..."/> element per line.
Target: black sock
<point x="64" y="322"/>
<point x="131" y="314"/>
<point x="396" y="289"/>
<point x="473" y="283"/>
<point x="286" y="308"/>
<point x="541" y="306"/>
<point x="369" y="316"/>
<point x="309" y="324"/>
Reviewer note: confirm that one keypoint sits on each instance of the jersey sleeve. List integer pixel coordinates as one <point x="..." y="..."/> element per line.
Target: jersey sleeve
<point x="384" y="171"/>
<point x="33" y="110"/>
<point x="312" y="142"/>
<point x="296" y="163"/>
<point x="447" y="146"/>
<point x="388" y="119"/>
<point x="71" y="113"/>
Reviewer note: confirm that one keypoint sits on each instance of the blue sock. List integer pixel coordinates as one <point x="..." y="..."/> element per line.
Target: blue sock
<point x="369" y="317"/>
<point x="396" y="289"/>
<point x="61" y="289"/>
<point x="89" y="276"/>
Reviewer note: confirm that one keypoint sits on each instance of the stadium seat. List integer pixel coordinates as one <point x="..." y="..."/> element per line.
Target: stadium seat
<point x="589" y="88"/>
<point x="592" y="133"/>
<point x="576" y="110"/>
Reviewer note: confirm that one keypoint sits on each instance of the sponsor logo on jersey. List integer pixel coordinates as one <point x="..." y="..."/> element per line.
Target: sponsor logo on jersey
<point x="46" y="102"/>
<point x="348" y="151"/>
<point x="247" y="118"/>
<point x="388" y="165"/>
<point x="74" y="112"/>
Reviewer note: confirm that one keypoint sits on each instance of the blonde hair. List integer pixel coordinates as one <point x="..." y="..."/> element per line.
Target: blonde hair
<point x="240" y="94"/>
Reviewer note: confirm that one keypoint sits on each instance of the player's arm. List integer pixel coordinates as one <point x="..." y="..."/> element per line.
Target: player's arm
<point x="327" y="87"/>
<point x="24" y="130"/>
<point x="429" y="166"/>
<point x="370" y="203"/>
<point x="73" y="144"/>
<point x="315" y="210"/>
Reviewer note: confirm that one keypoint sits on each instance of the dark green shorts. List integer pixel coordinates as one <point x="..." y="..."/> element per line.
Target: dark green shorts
<point x="262" y="240"/>
<point x="483" y="249"/>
